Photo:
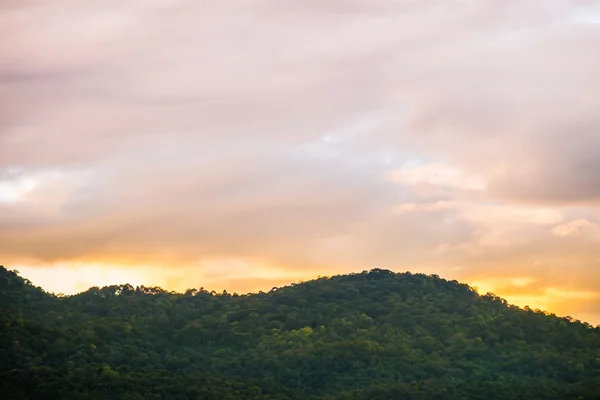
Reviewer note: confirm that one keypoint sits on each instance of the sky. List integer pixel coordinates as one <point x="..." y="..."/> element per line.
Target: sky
<point x="250" y="144"/>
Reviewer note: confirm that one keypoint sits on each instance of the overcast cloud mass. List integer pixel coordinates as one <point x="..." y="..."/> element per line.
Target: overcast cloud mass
<point x="248" y="144"/>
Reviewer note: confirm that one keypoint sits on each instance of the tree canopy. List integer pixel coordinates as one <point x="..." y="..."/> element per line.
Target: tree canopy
<point x="369" y="335"/>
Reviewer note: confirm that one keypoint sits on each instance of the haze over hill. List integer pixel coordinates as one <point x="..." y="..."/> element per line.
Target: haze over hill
<point x="245" y="144"/>
<point x="373" y="335"/>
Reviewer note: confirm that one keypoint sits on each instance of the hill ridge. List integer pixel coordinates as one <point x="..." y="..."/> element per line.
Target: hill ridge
<point x="372" y="273"/>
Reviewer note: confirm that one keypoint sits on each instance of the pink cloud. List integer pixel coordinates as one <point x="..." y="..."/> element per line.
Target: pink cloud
<point x="178" y="131"/>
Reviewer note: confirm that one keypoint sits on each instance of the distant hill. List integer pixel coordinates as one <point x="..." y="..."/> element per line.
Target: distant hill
<point x="371" y="335"/>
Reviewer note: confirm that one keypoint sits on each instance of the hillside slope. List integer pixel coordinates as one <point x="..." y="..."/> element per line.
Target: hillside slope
<point x="372" y="335"/>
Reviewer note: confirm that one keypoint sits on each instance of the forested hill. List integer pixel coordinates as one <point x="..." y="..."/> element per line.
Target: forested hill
<point x="372" y="335"/>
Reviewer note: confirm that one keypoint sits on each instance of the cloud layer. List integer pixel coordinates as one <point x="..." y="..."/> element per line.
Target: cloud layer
<point x="245" y="145"/>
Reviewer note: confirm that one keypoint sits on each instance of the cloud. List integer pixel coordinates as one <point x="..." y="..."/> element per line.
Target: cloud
<point x="431" y="207"/>
<point x="13" y="190"/>
<point x="301" y="138"/>
<point x="573" y="228"/>
<point x="437" y="175"/>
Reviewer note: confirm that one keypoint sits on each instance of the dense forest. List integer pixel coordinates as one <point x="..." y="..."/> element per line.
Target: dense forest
<point x="370" y="335"/>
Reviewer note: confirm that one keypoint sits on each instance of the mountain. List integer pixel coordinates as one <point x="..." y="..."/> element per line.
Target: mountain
<point x="370" y="335"/>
